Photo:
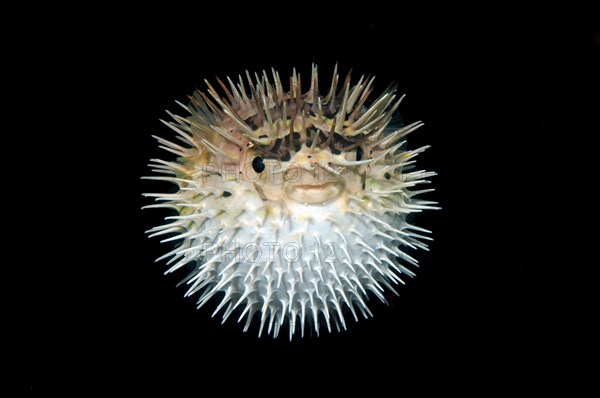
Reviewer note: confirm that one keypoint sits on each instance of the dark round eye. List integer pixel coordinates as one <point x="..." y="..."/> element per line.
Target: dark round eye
<point x="359" y="153"/>
<point x="258" y="164"/>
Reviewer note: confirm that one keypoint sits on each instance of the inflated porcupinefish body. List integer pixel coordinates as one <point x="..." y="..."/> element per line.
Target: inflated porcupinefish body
<point x="291" y="207"/>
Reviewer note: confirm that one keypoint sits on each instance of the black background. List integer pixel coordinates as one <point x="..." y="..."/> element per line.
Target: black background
<point x="500" y="301"/>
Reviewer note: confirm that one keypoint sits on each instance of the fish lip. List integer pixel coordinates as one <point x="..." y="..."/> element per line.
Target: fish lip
<point x="314" y="186"/>
<point x="314" y="193"/>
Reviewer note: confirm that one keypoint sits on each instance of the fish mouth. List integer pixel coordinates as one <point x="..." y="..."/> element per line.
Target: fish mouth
<point x="314" y="193"/>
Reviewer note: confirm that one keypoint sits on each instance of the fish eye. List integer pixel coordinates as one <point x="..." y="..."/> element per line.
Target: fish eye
<point x="258" y="164"/>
